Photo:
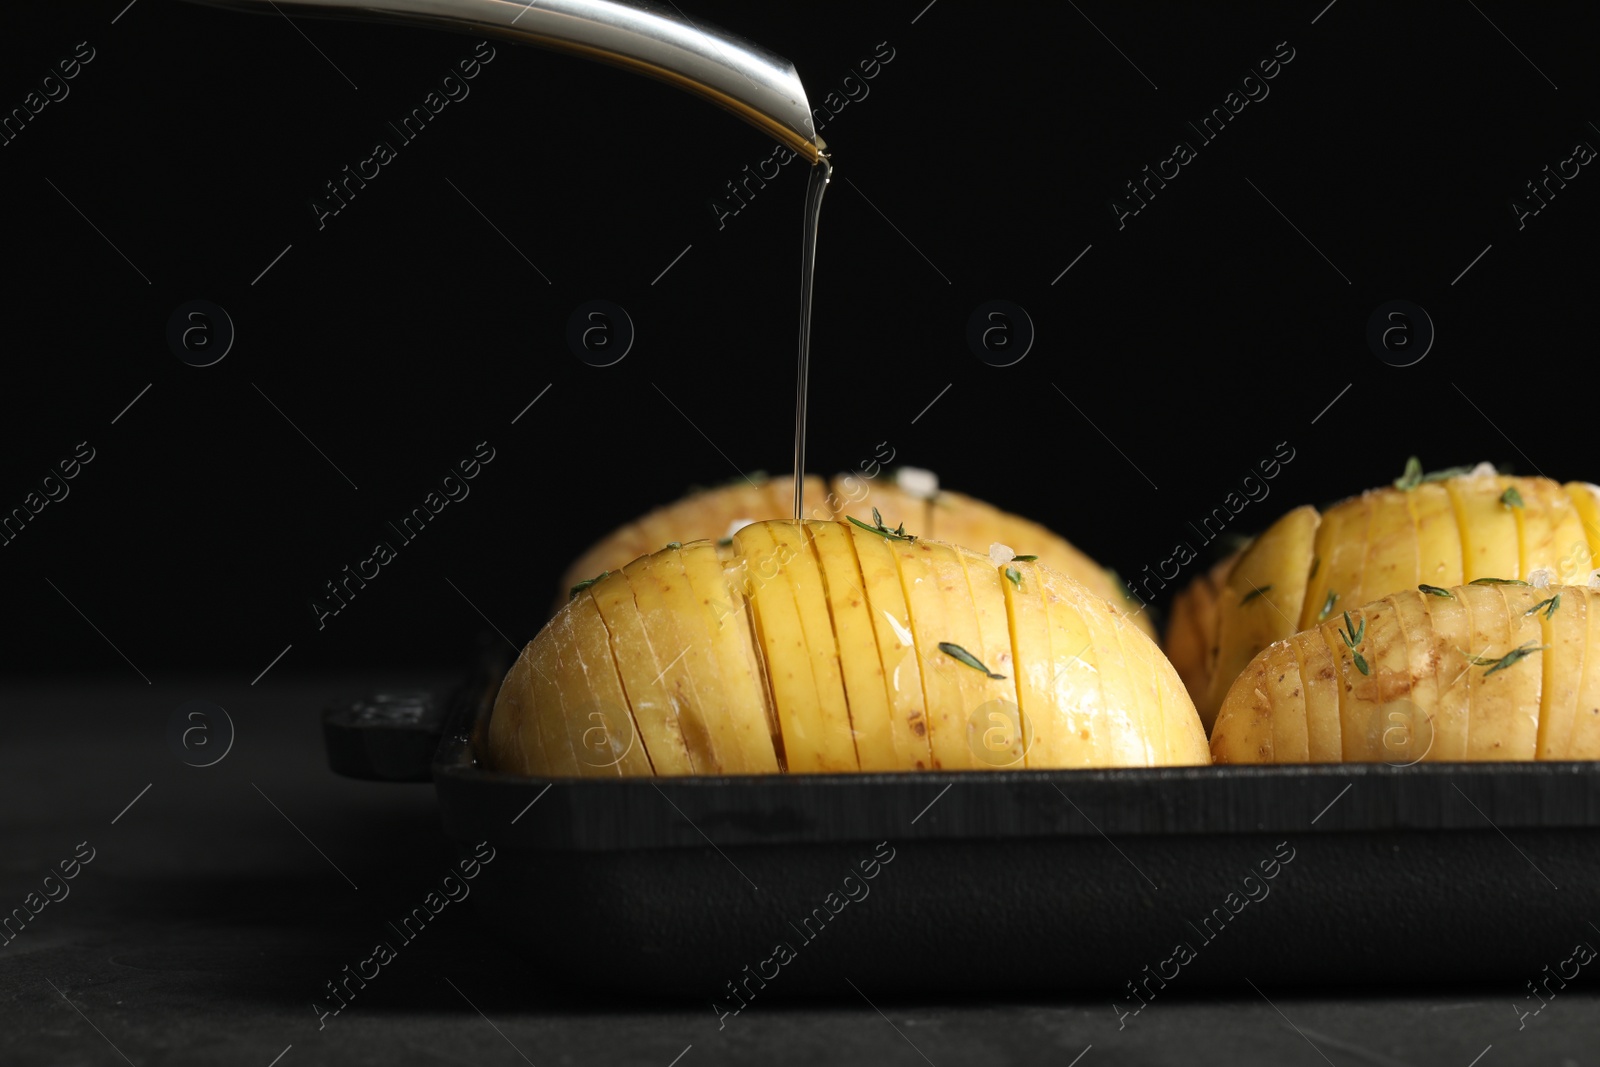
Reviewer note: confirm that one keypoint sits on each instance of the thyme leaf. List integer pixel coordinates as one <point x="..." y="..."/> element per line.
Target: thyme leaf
<point x="572" y="594"/>
<point x="961" y="655"/>
<point x="1259" y="591"/>
<point x="1550" y="604"/>
<point x="1025" y="559"/>
<point x="1515" y="656"/>
<point x="1412" y="476"/>
<point x="1327" y="606"/>
<point x="1511" y="498"/>
<point x="1497" y="581"/>
<point x="1015" y="576"/>
<point x="881" y="530"/>
<point x="1434" y="590"/>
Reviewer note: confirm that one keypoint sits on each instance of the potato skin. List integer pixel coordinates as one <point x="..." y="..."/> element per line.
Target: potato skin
<point x="949" y="516"/>
<point x="796" y="606"/>
<point x="1387" y="540"/>
<point x="1190" y="641"/>
<point x="1490" y="672"/>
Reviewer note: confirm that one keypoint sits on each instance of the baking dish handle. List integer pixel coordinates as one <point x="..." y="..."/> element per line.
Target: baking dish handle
<point x="386" y="737"/>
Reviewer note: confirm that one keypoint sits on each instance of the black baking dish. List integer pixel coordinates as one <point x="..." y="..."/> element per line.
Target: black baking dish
<point x="1130" y="881"/>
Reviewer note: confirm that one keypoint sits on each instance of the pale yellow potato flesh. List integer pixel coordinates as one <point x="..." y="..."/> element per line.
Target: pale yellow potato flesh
<point x="1440" y="533"/>
<point x="813" y="740"/>
<point x="824" y="647"/>
<point x="605" y="737"/>
<point x="857" y="643"/>
<point x="676" y="650"/>
<point x="744" y="691"/>
<point x="1030" y="638"/>
<point x="1260" y="600"/>
<point x="1190" y="641"/>
<point x="953" y="517"/>
<point x="654" y="713"/>
<point x="1488" y="527"/>
<point x="1585" y="498"/>
<point x="1438" y="538"/>
<point x="897" y="650"/>
<point x="1490" y="672"/>
<point x="941" y="612"/>
<point x="994" y="650"/>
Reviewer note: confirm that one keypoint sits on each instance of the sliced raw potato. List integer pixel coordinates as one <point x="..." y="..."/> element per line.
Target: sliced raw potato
<point x="1439" y="532"/>
<point x="737" y="729"/>
<point x="1035" y="667"/>
<point x="744" y="696"/>
<point x="1260" y="600"/>
<point x="1079" y="731"/>
<point x="1375" y="672"/>
<point x="823" y="647"/>
<point x="1488" y="527"/>
<point x="1585" y="499"/>
<point x="995" y="733"/>
<point x="1438" y="537"/>
<point x="814" y="720"/>
<point x="811" y="601"/>
<point x="678" y="652"/>
<point x="1449" y="633"/>
<point x="1191" y="637"/>
<point x="708" y="514"/>
<point x="703" y="515"/>
<point x="897" y="650"/>
<point x="1565" y="628"/>
<point x="941" y="612"/>
<point x="964" y="520"/>
<point x="513" y="735"/>
<point x="654" y="712"/>
<point x="549" y="715"/>
<point x="1488" y="671"/>
<point x="857" y="643"/>
<point x="1281" y="682"/>
<point x="605" y="737"/>
<point x="1505" y="703"/>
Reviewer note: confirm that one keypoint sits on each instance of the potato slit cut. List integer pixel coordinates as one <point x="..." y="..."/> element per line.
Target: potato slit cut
<point x="616" y="670"/>
<point x="897" y="650"/>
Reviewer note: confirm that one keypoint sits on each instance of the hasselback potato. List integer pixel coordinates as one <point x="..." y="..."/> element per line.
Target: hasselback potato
<point x="826" y="646"/>
<point x="913" y="498"/>
<point x="1491" y="671"/>
<point x="1440" y="530"/>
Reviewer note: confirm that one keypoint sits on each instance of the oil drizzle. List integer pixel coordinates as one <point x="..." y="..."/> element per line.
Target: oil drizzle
<point x="816" y="185"/>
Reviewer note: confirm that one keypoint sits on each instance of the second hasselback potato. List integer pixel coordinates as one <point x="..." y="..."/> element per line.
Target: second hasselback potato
<point x="1493" y="671"/>
<point x="828" y="647"/>
<point x="911" y="497"/>
<point x="1441" y="530"/>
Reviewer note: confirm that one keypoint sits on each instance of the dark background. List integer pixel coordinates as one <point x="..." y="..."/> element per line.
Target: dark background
<point x="407" y="330"/>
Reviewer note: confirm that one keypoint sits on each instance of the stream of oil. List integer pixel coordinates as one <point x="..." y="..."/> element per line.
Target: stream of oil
<point x="815" y="187"/>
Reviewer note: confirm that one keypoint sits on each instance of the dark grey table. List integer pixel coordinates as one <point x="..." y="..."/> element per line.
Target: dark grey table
<point x="220" y="900"/>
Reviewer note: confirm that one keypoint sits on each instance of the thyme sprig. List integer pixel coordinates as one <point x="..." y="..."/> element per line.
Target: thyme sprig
<point x="572" y="594"/>
<point x="1549" y="604"/>
<point x="1515" y="656"/>
<point x="1414" y="476"/>
<point x="961" y="655"/>
<point x="878" y="527"/>
<point x="1352" y="637"/>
